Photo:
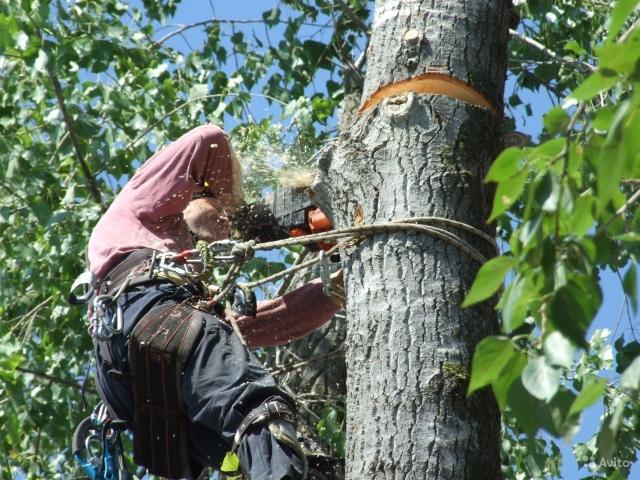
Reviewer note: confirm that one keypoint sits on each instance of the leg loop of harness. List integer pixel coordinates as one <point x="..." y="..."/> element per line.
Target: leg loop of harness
<point x="159" y="347"/>
<point x="281" y="421"/>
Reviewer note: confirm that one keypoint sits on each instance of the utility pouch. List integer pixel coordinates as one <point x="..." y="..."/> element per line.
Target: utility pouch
<point x="159" y="347"/>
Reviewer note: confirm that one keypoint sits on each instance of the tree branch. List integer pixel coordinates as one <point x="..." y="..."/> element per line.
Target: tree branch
<point x="33" y="311"/>
<point x="632" y="199"/>
<point x="350" y="72"/>
<point x="204" y="23"/>
<point x="363" y="56"/>
<point x="93" y="185"/>
<point x="51" y="378"/>
<point x="584" y="66"/>
<point x="348" y="11"/>
<point x="188" y="102"/>
<point x="295" y="366"/>
<point x="289" y="278"/>
<point x="625" y="36"/>
<point x="12" y="191"/>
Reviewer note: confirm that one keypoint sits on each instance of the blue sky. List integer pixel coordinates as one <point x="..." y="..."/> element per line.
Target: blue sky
<point x="612" y="315"/>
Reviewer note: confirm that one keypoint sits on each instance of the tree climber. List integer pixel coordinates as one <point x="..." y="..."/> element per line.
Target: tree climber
<point x="202" y="392"/>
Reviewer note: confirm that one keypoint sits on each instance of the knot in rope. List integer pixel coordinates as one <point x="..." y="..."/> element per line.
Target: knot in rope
<point x="207" y="258"/>
<point x="243" y="252"/>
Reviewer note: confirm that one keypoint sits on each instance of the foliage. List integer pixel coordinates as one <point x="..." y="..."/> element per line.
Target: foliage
<point x="566" y="209"/>
<point x="128" y="87"/>
<point x="331" y="429"/>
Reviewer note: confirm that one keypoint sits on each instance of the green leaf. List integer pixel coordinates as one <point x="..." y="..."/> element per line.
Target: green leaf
<point x="560" y="275"/>
<point x="558" y="350"/>
<point x="509" y="374"/>
<point x="491" y="355"/>
<point x="603" y="118"/>
<point x="507" y="193"/>
<point x="523" y="405"/>
<point x="488" y="280"/>
<point x="619" y="57"/>
<point x="554" y="416"/>
<point x="582" y="218"/>
<point x="548" y="192"/>
<point x="619" y="15"/>
<point x="9" y="30"/>
<point x="271" y="17"/>
<point x="625" y="354"/>
<point x="231" y="463"/>
<point x="198" y="90"/>
<point x="628" y="237"/>
<point x="573" y="307"/>
<point x="589" y="394"/>
<point x="530" y="231"/>
<point x="535" y="464"/>
<point x="157" y="71"/>
<point x="630" y="286"/>
<point x="556" y="120"/>
<point x="506" y="165"/>
<point x="616" y="128"/>
<point x="519" y="294"/>
<point x="549" y="149"/>
<point x="608" y="435"/>
<point x="574" y="47"/>
<point x="329" y="429"/>
<point x="541" y="379"/>
<point x="618" y="153"/>
<point x="592" y="86"/>
<point x="631" y="377"/>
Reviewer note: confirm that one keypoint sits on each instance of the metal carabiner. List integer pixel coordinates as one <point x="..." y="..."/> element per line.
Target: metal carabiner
<point x="107" y="325"/>
<point x="325" y="273"/>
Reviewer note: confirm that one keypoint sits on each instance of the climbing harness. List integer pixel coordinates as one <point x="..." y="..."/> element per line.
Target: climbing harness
<point x="153" y="339"/>
<point x="188" y="268"/>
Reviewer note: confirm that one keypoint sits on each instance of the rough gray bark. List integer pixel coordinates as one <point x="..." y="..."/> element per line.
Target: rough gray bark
<point x="409" y="344"/>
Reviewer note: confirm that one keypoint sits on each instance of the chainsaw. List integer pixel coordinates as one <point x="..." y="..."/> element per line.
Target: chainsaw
<point x="287" y="213"/>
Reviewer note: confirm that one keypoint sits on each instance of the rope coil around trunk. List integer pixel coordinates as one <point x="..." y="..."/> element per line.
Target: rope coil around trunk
<point x="415" y="224"/>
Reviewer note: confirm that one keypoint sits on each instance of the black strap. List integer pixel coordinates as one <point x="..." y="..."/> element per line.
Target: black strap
<point x="261" y="414"/>
<point x="135" y="265"/>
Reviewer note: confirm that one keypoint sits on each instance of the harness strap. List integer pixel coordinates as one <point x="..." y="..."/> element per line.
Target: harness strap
<point x="89" y="281"/>
<point x="135" y="268"/>
<point x="158" y="350"/>
<point x="138" y="259"/>
<point x="281" y="422"/>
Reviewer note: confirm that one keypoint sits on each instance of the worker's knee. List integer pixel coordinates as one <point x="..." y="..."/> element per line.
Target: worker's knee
<point x="268" y="444"/>
<point x="266" y="452"/>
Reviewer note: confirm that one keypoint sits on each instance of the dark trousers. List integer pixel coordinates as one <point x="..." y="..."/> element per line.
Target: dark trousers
<point x="222" y="383"/>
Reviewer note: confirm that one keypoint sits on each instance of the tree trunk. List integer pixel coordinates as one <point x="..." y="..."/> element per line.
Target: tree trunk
<point x="409" y="344"/>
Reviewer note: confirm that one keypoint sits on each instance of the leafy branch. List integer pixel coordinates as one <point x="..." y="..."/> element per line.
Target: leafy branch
<point x="580" y="65"/>
<point x="205" y="23"/>
<point x="75" y="141"/>
<point x="348" y="11"/>
<point x="51" y="378"/>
